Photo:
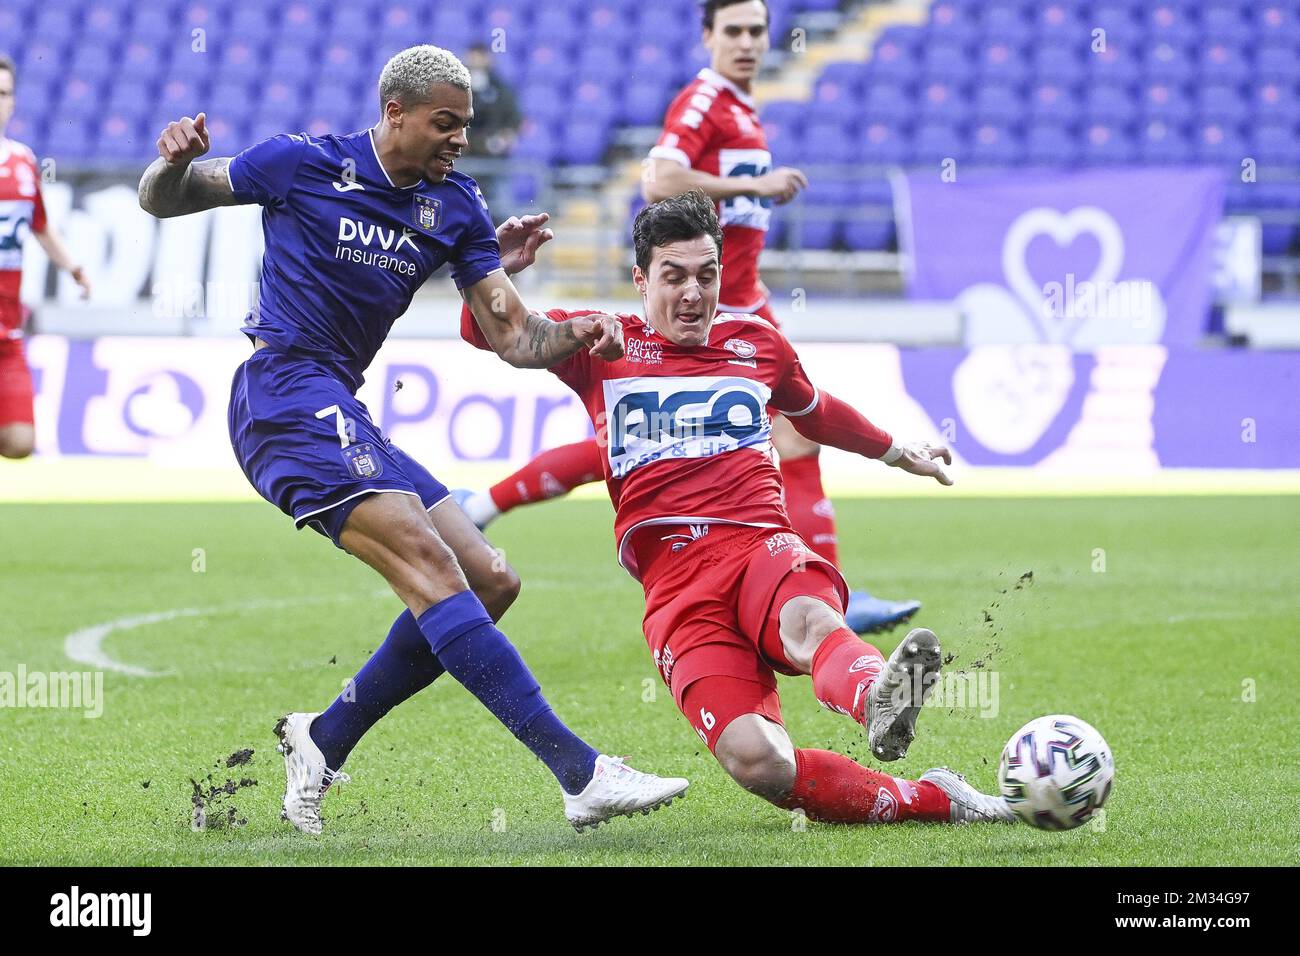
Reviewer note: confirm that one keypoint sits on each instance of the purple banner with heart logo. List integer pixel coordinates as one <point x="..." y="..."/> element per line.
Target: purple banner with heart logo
<point x="1081" y="259"/>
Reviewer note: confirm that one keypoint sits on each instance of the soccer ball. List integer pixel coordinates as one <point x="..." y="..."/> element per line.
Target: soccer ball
<point x="1056" y="772"/>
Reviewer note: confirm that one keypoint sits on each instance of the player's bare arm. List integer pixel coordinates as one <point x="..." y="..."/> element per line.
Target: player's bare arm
<point x="175" y="184"/>
<point x="666" y="177"/>
<point x="526" y="339"/>
<point x="51" y="240"/>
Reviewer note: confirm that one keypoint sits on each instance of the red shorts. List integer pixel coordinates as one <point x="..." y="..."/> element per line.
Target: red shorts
<point x="713" y="598"/>
<point x="15" y="384"/>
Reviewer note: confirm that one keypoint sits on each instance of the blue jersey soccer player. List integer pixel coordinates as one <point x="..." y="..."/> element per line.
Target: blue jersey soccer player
<point x="354" y="225"/>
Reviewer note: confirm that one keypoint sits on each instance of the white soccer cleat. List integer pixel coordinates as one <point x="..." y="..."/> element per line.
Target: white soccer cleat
<point x="616" y="790"/>
<point x="968" y="804"/>
<point x="304" y="766"/>
<point x="895" y="699"/>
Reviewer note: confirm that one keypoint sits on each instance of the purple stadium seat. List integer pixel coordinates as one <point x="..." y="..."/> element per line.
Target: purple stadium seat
<point x="829" y="105"/>
<point x="815" y="233"/>
<point x="594" y="102"/>
<point x="873" y="191"/>
<point x="1003" y="63"/>
<point x="176" y="98"/>
<point x="256" y="22"/>
<point x="1060" y="66"/>
<point x="1276" y="103"/>
<point x="131" y="99"/>
<point x="1110" y="104"/>
<point x="1120" y="23"/>
<point x="943" y="103"/>
<point x="241" y="61"/>
<point x="78" y="100"/>
<point x="228" y="98"/>
<point x="994" y="145"/>
<point x="867" y="235"/>
<point x="1222" y="63"/>
<point x="1049" y="145"/>
<point x="290" y="66"/>
<point x="789" y="114"/>
<point x="1226" y="23"/>
<point x="1172" y="23"/>
<point x="1167" y="103"/>
<point x="1058" y="22"/>
<point x="1118" y="64"/>
<point x="1170" y="63"/>
<point x="1275" y="19"/>
<point x="951" y="24"/>
<point x="121" y="141"/>
<point x="1221" y="101"/>
<point x="905" y="41"/>
<point x="1054" y="105"/>
<point x="1220" y="143"/>
<point x="824" y="142"/>
<point x="644" y="103"/>
<point x="892" y="63"/>
<point x="883" y="144"/>
<point x="948" y="62"/>
<point x="1108" y="145"/>
<point x="106" y="22"/>
<point x="1008" y="23"/>
<point x="999" y="105"/>
<point x="1276" y="146"/>
<point x="536" y="143"/>
<point x="886" y="103"/>
<point x="556" y="26"/>
<point x="583" y="142"/>
<point x="1278" y="64"/>
<point x="67" y="139"/>
<point x="934" y="143"/>
<point x="1277" y="238"/>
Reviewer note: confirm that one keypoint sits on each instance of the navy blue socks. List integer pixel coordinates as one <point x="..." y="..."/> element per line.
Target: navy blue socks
<point x="482" y="659"/>
<point x="402" y="667"/>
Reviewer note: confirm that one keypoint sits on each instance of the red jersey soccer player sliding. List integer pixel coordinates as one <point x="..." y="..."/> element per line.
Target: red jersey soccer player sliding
<point x="733" y="593"/>
<point x="21" y="211"/>
<point x="713" y="140"/>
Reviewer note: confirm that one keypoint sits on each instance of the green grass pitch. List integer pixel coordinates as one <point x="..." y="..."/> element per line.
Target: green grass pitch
<point x="1181" y="651"/>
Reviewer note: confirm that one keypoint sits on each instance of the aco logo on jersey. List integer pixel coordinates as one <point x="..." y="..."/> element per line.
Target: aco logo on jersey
<point x="650" y="419"/>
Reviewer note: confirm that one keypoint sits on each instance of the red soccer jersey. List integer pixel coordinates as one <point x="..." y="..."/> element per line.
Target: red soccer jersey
<point x="21" y="211"/>
<point x="711" y="126"/>
<point x="685" y="433"/>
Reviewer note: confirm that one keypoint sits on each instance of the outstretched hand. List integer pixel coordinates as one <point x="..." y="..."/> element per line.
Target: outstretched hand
<point x="926" y="460"/>
<point x="520" y="238"/>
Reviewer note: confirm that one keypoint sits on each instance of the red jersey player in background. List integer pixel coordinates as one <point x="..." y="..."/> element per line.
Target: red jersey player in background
<point x="713" y="141"/>
<point x="733" y="593"/>
<point x="21" y="211"/>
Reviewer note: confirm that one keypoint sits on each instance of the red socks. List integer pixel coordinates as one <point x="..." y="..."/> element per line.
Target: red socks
<point x="811" y="514"/>
<point x="831" y="788"/>
<point x="843" y="669"/>
<point x="549" y="475"/>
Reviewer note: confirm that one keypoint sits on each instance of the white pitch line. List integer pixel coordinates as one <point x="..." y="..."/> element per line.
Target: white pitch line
<point x="86" y="645"/>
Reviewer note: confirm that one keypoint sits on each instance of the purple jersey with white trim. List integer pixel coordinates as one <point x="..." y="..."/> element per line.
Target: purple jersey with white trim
<point x="346" y="249"/>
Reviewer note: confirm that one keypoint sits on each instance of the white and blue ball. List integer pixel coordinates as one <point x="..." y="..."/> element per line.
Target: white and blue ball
<point x="1056" y="772"/>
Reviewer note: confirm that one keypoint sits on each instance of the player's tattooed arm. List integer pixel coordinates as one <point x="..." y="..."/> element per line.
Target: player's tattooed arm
<point x="167" y="190"/>
<point x="176" y="185"/>
<point x="527" y="339"/>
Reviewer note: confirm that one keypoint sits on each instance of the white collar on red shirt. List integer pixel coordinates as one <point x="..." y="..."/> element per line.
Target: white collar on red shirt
<point x="5" y="149"/>
<point x="714" y="78"/>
